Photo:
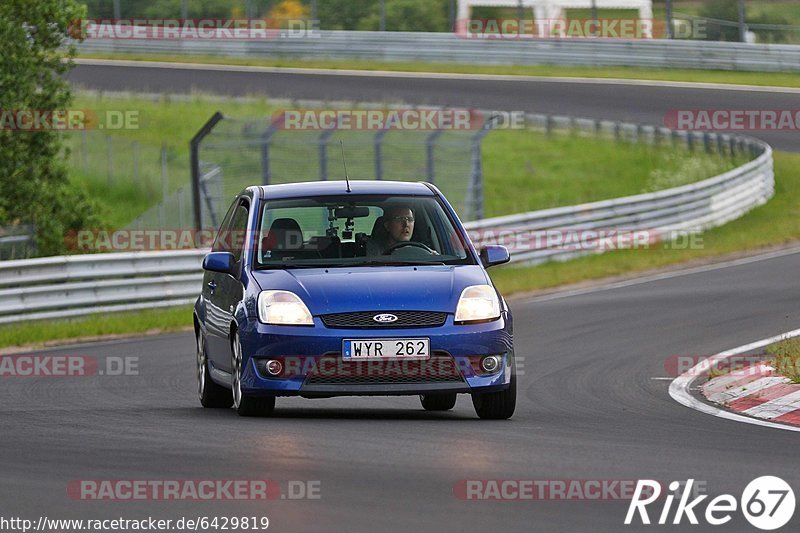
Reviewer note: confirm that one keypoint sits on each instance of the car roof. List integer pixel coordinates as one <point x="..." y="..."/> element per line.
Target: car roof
<point x="327" y="188"/>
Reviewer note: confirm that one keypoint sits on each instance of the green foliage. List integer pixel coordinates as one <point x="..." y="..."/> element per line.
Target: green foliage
<point x="409" y="15"/>
<point x="729" y="10"/>
<point x="33" y="181"/>
<point x="343" y="14"/>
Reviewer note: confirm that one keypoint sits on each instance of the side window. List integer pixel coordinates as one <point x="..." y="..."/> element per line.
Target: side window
<point x="221" y="242"/>
<point x="238" y="231"/>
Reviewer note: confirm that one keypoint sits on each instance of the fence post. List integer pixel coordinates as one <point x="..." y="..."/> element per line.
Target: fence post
<point x="378" y="144"/>
<point x="266" y="137"/>
<point x="110" y="157"/>
<point x="323" y="154"/>
<point x="85" y="150"/>
<point x="164" y="187"/>
<point x="136" y="163"/>
<point x="194" y="158"/>
<point x="474" y="198"/>
<point x="430" y="161"/>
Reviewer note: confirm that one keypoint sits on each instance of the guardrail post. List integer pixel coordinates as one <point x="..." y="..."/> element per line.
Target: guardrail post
<point x="430" y="161"/>
<point x="548" y="125"/>
<point x="617" y="131"/>
<point x="194" y="158"/>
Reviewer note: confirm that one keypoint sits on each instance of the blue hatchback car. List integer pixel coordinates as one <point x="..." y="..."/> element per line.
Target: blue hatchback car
<point x="364" y="288"/>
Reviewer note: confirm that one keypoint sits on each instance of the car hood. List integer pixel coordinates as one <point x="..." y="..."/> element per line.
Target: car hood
<point x="375" y="288"/>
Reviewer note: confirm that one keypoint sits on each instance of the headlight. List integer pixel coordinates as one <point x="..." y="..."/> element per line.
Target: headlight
<point x="283" y="308"/>
<point x="477" y="303"/>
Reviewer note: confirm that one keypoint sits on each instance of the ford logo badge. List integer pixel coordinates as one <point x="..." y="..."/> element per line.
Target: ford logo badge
<point x="385" y="318"/>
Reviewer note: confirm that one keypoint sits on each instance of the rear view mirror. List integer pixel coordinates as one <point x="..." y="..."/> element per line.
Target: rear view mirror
<point x="351" y="212"/>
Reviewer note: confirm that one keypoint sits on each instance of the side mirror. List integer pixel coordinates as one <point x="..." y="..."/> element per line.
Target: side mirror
<point x="492" y="255"/>
<point x="222" y="262"/>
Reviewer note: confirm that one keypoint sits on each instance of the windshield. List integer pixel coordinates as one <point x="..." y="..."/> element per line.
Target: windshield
<point x="333" y="231"/>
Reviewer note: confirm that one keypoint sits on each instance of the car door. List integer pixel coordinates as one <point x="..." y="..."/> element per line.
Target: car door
<point x="226" y="290"/>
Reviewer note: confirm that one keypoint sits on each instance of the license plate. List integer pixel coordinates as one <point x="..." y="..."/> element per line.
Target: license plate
<point x="357" y="349"/>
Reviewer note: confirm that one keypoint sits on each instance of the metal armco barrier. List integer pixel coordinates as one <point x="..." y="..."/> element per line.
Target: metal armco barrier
<point x="60" y="287"/>
<point x="451" y="48"/>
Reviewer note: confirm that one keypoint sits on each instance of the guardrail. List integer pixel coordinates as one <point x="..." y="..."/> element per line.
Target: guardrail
<point x="449" y="47"/>
<point x="67" y="286"/>
<point x="60" y="287"/>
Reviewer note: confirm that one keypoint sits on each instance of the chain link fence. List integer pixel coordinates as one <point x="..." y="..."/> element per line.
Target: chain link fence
<point x="237" y="154"/>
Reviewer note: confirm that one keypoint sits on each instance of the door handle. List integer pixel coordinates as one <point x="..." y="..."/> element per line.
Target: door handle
<point x="212" y="285"/>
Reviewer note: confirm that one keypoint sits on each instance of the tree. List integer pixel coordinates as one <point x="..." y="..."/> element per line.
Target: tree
<point x="34" y="188"/>
<point x="343" y="14"/>
<point x="409" y="15"/>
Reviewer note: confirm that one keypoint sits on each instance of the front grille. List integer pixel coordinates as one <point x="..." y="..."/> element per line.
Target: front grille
<point x="405" y="319"/>
<point x="332" y="370"/>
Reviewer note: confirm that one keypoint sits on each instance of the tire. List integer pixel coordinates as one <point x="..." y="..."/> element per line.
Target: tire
<point x="212" y="396"/>
<point x="438" y="402"/>
<point x="497" y="405"/>
<point x="246" y="405"/>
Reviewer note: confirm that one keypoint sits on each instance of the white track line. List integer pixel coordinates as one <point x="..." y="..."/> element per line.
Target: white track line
<point x="658" y="277"/>
<point x="435" y="75"/>
<point x="679" y="388"/>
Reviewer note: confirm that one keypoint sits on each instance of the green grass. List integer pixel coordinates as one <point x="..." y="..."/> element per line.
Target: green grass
<point x="778" y="79"/>
<point x="775" y="223"/>
<point x="525" y="170"/>
<point x="787" y="358"/>
<point x="150" y="321"/>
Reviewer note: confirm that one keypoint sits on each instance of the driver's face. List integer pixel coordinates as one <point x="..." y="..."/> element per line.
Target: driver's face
<point x="400" y="224"/>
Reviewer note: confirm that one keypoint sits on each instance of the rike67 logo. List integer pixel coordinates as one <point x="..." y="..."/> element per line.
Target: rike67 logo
<point x="767" y="502"/>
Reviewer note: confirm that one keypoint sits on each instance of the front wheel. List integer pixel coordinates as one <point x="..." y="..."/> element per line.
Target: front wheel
<point x="497" y="405"/>
<point x="438" y="402"/>
<point x="246" y="405"/>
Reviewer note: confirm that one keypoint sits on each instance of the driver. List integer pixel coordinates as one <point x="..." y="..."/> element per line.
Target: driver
<point x="399" y="225"/>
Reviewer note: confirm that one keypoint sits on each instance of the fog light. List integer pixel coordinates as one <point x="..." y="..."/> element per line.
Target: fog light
<point x="274" y="367"/>
<point x="490" y="364"/>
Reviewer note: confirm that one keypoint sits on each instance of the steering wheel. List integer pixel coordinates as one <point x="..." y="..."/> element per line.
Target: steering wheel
<point x="403" y="244"/>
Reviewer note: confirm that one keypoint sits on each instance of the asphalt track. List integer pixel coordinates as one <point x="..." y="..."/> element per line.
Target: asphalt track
<point x="588" y="408"/>
<point x="645" y="104"/>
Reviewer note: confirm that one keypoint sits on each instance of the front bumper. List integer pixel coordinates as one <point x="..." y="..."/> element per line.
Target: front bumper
<point x="313" y="366"/>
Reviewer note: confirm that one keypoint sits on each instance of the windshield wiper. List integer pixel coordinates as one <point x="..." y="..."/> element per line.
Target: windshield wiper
<point x="395" y="263"/>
